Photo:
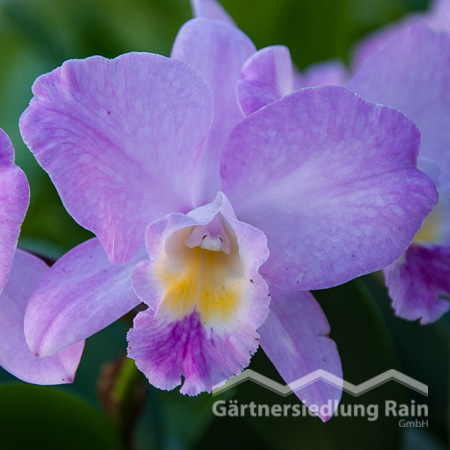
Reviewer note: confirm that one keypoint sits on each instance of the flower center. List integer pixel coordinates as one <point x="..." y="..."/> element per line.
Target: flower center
<point x="214" y="244"/>
<point x="202" y="271"/>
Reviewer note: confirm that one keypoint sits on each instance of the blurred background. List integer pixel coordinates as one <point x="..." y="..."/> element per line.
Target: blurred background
<point x="110" y="405"/>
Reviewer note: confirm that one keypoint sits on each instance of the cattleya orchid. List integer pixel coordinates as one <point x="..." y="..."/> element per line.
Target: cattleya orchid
<point x="411" y="72"/>
<point x="407" y="66"/>
<point x="217" y="212"/>
<point x="20" y="273"/>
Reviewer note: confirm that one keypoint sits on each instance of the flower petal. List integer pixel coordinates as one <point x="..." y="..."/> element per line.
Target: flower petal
<point x="205" y="302"/>
<point x="210" y="46"/>
<point x="332" y="72"/>
<point x="419" y="283"/>
<point x="295" y="338"/>
<point x="412" y="74"/>
<point x="80" y="295"/>
<point x="210" y="9"/>
<point x="376" y="41"/>
<point x="112" y="133"/>
<point x="15" y="356"/>
<point x="6" y="150"/>
<point x="331" y="181"/>
<point x="438" y="17"/>
<point x="267" y="76"/>
<point x="431" y="168"/>
<point x="14" y="198"/>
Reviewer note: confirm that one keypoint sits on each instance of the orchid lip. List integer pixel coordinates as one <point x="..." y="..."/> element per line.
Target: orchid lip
<point x="205" y="295"/>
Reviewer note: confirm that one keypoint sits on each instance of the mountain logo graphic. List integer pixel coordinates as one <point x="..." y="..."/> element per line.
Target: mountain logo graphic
<point x="327" y="377"/>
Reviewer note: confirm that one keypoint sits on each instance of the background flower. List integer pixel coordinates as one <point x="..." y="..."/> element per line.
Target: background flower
<point x="407" y="67"/>
<point x="15" y="356"/>
<point x="14" y="197"/>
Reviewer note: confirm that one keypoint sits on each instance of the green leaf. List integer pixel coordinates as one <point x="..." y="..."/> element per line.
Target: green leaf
<point x="423" y="353"/>
<point x="36" y="417"/>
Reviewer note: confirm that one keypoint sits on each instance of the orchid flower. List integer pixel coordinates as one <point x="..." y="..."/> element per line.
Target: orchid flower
<point x="19" y="275"/>
<point x="218" y="222"/>
<point x="408" y="69"/>
<point x="412" y="73"/>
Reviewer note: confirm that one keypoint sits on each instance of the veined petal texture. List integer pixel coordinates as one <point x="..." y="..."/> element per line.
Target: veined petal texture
<point x="331" y="180"/>
<point x="120" y="140"/>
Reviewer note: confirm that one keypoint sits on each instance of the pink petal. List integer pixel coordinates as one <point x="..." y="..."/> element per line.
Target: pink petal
<point x="331" y="181"/>
<point x="210" y="9"/>
<point x="218" y="51"/>
<point x="6" y="150"/>
<point x="438" y="17"/>
<point x="332" y="72"/>
<point x="376" y="41"/>
<point x="14" y="198"/>
<point x="267" y="76"/>
<point x="15" y="356"/>
<point x="298" y="79"/>
<point x="121" y="140"/>
<point x="295" y="338"/>
<point x="419" y="283"/>
<point x="412" y="74"/>
<point x="80" y="295"/>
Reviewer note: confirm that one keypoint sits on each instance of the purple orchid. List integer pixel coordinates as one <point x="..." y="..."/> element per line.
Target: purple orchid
<point x="19" y="275"/>
<point x="208" y="216"/>
<point x="411" y="72"/>
<point x="408" y="68"/>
